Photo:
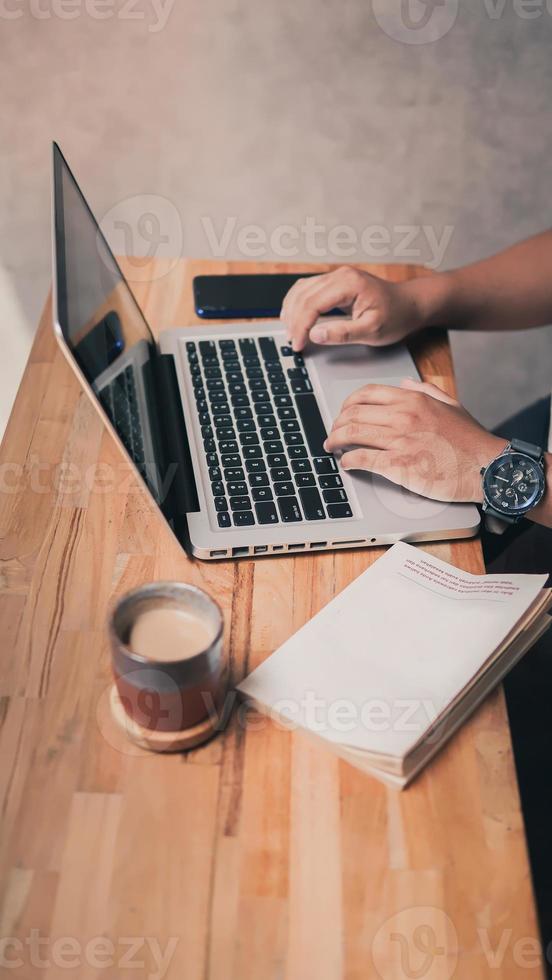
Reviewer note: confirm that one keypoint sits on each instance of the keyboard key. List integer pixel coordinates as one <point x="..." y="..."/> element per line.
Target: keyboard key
<point x="212" y="459"/>
<point x="226" y="345"/>
<point x="261" y="493"/>
<point x="299" y="360"/>
<point x="243" y="518"/>
<point x="329" y="482"/>
<point x="325" y="464"/>
<point x="297" y="452"/>
<point x="217" y="488"/>
<point x="275" y="446"/>
<point x="225" y="433"/>
<point x="236" y="389"/>
<point x="214" y="473"/>
<point x="266" y="512"/>
<point x="251" y="360"/>
<point x="202" y="405"/>
<point x="294" y="439"/>
<point x="213" y="372"/>
<point x="284" y="489"/>
<point x="305" y="480"/>
<point x="224" y="519"/>
<point x="302" y="466"/>
<point x="231" y="365"/>
<point x="312" y="504"/>
<point x="292" y="425"/>
<point x="255" y="466"/>
<point x="233" y="376"/>
<point x="240" y="503"/>
<point x="249" y="438"/>
<point x="258" y="479"/>
<point x="286" y="351"/>
<point x="209" y="445"/>
<point x="339" y="510"/>
<point x="298" y="387"/>
<point x="286" y="413"/>
<point x="277" y="459"/>
<point x="259" y="394"/>
<point x="228" y="446"/>
<point x="252" y="452"/>
<point x="314" y="427"/>
<point x="268" y="349"/>
<point x="222" y="420"/>
<point x="207" y="348"/>
<point x="248" y="347"/>
<point x="245" y="425"/>
<point x="276" y="377"/>
<point x="221" y="503"/>
<point x="190" y="347"/>
<point x="204" y="418"/>
<point x="215" y="384"/>
<point x="240" y="401"/>
<point x="269" y="433"/>
<point x="289" y="509"/>
<point x="280" y="473"/>
<point x="297" y="374"/>
<point x="231" y="459"/>
<point x="266" y="420"/>
<point x="263" y="408"/>
<point x="283" y="401"/>
<point x="206" y="432"/>
<point x="254" y="373"/>
<point x="217" y="397"/>
<point x="280" y="388"/>
<point x="234" y="473"/>
<point x="243" y="413"/>
<point x="335" y="496"/>
<point x="236" y="489"/>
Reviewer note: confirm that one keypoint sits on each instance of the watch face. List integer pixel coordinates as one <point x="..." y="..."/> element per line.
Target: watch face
<point x="513" y="483"/>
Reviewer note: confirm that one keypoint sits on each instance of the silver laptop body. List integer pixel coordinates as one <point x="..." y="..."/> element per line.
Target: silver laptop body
<point x="264" y="485"/>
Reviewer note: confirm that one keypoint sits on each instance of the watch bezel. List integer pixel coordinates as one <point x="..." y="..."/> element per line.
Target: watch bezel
<point x="514" y="511"/>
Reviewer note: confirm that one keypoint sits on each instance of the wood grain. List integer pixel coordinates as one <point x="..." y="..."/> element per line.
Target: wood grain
<point x="259" y="855"/>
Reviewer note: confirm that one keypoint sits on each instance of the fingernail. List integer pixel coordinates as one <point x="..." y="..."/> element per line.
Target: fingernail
<point x="325" y="444"/>
<point x="319" y="335"/>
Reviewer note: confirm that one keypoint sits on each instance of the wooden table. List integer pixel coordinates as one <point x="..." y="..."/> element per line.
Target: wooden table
<point x="259" y="855"/>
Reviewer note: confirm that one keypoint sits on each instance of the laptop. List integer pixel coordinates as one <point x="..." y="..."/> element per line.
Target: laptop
<point x="225" y="424"/>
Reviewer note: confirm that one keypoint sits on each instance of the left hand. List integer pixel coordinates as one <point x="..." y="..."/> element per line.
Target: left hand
<point x="416" y="436"/>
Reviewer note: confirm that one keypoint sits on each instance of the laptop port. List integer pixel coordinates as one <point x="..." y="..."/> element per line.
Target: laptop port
<point x="260" y="549"/>
<point x="295" y="547"/>
<point x="277" y="547"/>
<point x="218" y="554"/>
<point x="237" y="552"/>
<point x="319" y="544"/>
<point x="344" y="544"/>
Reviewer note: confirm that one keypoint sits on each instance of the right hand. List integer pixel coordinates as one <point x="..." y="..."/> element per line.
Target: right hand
<point x="382" y="312"/>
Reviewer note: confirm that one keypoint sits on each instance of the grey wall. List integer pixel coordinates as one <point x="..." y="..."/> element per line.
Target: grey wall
<point x="273" y="113"/>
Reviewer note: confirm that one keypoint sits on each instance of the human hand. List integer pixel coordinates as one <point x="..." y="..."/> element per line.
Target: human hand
<point x="382" y="312"/>
<point x="416" y="436"/>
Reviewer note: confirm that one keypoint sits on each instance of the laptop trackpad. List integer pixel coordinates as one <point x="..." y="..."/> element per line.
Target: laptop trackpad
<point x="340" y="389"/>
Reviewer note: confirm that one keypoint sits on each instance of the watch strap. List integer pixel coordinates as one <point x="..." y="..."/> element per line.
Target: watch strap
<point x="527" y="448"/>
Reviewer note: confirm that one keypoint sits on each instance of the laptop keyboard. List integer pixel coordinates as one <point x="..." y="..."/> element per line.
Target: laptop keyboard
<point x="120" y="401"/>
<point x="263" y="435"/>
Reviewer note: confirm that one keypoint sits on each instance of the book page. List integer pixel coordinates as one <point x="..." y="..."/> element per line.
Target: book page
<point x="382" y="661"/>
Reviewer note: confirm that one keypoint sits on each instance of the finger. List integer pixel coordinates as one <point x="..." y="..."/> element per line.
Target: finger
<point x="344" y="331"/>
<point x="374" y="395"/>
<point x="428" y="389"/>
<point x="310" y="303"/>
<point x="353" y="434"/>
<point x="296" y="290"/>
<point x="365" y="414"/>
<point x="373" y="460"/>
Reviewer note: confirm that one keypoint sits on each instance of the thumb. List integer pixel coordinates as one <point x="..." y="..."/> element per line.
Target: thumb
<point x="343" y="331"/>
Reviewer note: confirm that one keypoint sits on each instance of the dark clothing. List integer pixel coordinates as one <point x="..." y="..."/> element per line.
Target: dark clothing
<point x="527" y="547"/>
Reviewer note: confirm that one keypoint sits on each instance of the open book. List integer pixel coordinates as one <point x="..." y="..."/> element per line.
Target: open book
<point x="389" y="669"/>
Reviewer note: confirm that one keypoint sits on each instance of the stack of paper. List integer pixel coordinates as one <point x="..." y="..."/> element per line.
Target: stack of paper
<point x="389" y="669"/>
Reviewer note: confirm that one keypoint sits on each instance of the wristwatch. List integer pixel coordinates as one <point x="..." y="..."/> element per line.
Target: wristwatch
<point x="513" y="484"/>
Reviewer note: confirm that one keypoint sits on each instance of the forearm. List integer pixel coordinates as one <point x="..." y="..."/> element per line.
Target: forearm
<point x="509" y="291"/>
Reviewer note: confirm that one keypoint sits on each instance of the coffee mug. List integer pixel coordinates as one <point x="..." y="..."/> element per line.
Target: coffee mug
<point x="167" y="656"/>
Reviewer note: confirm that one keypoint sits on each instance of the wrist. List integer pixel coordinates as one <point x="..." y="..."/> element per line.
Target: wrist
<point x="429" y="299"/>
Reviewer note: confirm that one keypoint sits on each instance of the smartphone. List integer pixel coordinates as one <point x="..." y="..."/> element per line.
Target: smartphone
<point x="241" y="296"/>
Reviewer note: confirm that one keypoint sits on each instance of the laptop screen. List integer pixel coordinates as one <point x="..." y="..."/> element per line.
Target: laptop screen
<point x="101" y="323"/>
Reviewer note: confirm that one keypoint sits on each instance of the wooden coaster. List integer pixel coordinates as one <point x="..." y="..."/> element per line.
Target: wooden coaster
<point x="147" y="738"/>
